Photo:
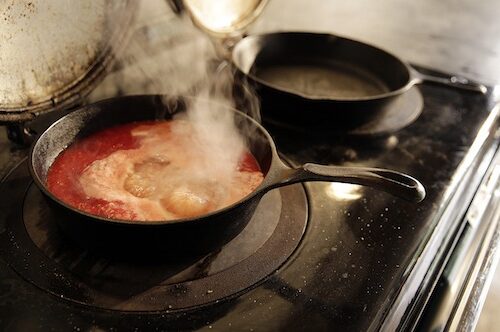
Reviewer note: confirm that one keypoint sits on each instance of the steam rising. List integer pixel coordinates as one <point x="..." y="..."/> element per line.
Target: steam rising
<point x="180" y="60"/>
<point x="211" y="81"/>
<point x="217" y="137"/>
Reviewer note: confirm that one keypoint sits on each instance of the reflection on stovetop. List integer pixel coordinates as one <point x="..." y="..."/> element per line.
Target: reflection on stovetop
<point x="362" y="242"/>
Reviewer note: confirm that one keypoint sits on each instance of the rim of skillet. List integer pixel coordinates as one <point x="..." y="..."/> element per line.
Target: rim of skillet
<point x="392" y="93"/>
<point x="43" y="187"/>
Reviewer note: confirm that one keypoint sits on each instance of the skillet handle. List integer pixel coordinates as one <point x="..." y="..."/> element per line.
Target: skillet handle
<point x="451" y="81"/>
<point x="392" y="182"/>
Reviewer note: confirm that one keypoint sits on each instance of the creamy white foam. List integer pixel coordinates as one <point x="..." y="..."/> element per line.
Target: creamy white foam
<point x="168" y="176"/>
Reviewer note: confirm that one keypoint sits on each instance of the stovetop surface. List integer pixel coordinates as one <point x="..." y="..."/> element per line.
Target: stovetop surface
<point x="350" y="264"/>
<point x="38" y="251"/>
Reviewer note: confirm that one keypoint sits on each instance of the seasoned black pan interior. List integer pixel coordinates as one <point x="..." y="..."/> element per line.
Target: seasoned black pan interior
<point x="320" y="66"/>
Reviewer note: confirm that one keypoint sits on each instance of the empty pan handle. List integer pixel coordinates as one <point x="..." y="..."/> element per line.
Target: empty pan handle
<point x="450" y="81"/>
<point x="393" y="182"/>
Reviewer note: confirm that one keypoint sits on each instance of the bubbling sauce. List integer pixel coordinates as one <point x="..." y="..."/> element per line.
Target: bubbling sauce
<point x="146" y="171"/>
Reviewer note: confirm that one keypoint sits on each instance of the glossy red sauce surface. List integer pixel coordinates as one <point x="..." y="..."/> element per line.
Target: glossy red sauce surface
<point x="63" y="175"/>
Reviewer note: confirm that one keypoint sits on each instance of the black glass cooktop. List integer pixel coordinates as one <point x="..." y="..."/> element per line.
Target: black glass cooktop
<point x="344" y="273"/>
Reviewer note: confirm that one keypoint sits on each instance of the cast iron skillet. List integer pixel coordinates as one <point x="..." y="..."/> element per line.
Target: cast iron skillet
<point x="366" y="78"/>
<point x="186" y="236"/>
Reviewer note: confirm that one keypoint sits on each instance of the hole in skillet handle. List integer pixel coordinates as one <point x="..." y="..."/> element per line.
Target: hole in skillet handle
<point x="20" y="134"/>
<point x="24" y="133"/>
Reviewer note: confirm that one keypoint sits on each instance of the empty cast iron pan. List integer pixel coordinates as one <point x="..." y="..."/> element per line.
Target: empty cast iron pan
<point x="193" y="235"/>
<point x="326" y="80"/>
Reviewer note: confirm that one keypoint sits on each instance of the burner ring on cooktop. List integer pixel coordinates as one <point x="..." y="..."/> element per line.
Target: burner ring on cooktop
<point x="32" y="245"/>
<point x="397" y="115"/>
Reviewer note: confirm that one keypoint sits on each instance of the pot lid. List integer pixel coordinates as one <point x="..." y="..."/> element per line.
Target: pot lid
<point x="53" y="52"/>
<point x="224" y="18"/>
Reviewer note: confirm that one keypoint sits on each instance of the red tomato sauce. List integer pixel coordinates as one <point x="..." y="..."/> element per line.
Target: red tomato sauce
<point x="64" y="173"/>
